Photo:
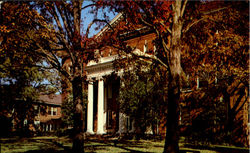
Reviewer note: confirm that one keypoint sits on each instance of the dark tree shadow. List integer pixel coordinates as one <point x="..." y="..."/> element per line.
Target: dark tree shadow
<point x="188" y="151"/>
<point x="48" y="151"/>
<point x="118" y="144"/>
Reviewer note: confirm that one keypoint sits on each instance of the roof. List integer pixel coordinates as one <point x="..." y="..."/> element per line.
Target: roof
<point x="51" y="99"/>
<point x="112" y="22"/>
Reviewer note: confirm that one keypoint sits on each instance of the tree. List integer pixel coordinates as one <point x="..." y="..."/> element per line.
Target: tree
<point x="21" y="81"/>
<point x="167" y="23"/>
<point x="55" y="36"/>
<point x="216" y="112"/>
<point x="220" y="51"/>
<point x="144" y="101"/>
<point x="173" y="23"/>
<point x="68" y="112"/>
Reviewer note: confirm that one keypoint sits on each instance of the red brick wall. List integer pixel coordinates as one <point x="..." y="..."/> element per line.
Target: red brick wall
<point x="47" y="117"/>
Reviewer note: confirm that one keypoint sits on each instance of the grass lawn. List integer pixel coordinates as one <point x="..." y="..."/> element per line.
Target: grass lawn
<point x="63" y="145"/>
<point x="16" y="145"/>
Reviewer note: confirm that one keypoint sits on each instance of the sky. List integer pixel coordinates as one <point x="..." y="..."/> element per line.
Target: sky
<point x="87" y="18"/>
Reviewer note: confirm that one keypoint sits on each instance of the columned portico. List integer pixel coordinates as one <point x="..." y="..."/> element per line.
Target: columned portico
<point x="101" y="108"/>
<point x="98" y="74"/>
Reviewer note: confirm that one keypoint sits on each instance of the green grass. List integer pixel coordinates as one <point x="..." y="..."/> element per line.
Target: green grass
<point x="27" y="144"/>
<point x="140" y="146"/>
<point x="63" y="144"/>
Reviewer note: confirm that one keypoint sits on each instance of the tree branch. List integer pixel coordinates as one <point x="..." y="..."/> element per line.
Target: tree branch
<point x="97" y="20"/>
<point x="192" y="24"/>
<point x="54" y="62"/>
<point x="203" y="13"/>
<point x="61" y="32"/>
<point x="246" y="99"/>
<point x="216" y="10"/>
<point x="87" y="6"/>
<point x="65" y="23"/>
<point x="146" y="23"/>
<point x="141" y="54"/>
<point x="183" y="8"/>
<point x="238" y="101"/>
<point x="165" y="47"/>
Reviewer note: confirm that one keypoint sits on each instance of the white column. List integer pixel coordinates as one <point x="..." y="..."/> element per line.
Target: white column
<point x="90" y="114"/>
<point x="105" y="109"/>
<point x="100" y="108"/>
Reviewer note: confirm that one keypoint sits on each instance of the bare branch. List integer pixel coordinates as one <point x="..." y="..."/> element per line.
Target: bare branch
<point x="216" y="10"/>
<point x="41" y="66"/>
<point x="65" y="22"/>
<point x="203" y="18"/>
<point x="192" y="24"/>
<point x="53" y="61"/>
<point x="66" y="45"/>
<point x="97" y="20"/>
<point x="183" y="7"/>
<point x="240" y="108"/>
<point x="145" y="22"/>
<point x="61" y="31"/>
<point x="141" y="54"/>
<point x="87" y="6"/>
<point x="167" y="27"/>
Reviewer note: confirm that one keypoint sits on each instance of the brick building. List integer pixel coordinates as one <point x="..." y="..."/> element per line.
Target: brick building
<point x="50" y="118"/>
<point x="103" y="115"/>
<point x="25" y="117"/>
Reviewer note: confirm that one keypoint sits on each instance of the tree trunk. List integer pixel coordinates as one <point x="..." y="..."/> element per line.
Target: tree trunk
<point x="175" y="69"/>
<point x="78" y="131"/>
<point x="172" y="134"/>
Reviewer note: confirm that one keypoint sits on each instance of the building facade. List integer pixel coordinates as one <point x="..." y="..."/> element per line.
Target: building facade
<point x="48" y="118"/>
<point x="103" y="115"/>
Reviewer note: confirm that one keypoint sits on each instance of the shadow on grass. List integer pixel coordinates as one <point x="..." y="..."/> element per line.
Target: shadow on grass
<point x="47" y="151"/>
<point x="121" y="145"/>
<point x="220" y="149"/>
<point x="188" y="151"/>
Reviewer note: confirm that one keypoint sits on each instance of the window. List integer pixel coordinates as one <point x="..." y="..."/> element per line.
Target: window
<point x="109" y="118"/>
<point x="109" y="91"/>
<point x="52" y="110"/>
<point x="49" y="110"/>
<point x="201" y="83"/>
<point x="55" y="111"/>
<point x="145" y="48"/>
<point x="129" y="123"/>
<point x="96" y="52"/>
<point x="36" y="109"/>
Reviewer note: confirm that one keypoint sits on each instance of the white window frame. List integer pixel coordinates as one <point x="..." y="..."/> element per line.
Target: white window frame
<point x="145" y="47"/>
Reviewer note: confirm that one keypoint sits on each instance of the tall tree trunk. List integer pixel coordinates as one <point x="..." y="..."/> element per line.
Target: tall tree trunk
<point x="78" y="131"/>
<point x="172" y="133"/>
<point x="77" y="82"/>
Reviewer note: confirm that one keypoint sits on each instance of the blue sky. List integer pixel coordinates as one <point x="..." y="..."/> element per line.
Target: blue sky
<point x="88" y="17"/>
